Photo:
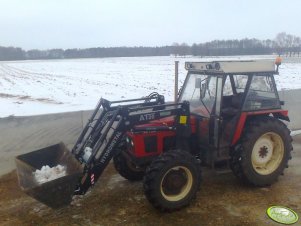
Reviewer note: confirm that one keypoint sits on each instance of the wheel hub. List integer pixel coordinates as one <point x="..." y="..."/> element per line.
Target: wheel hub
<point x="174" y="182"/>
<point x="263" y="152"/>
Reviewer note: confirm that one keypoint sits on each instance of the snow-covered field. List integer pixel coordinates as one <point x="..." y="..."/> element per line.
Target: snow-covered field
<point x="49" y="86"/>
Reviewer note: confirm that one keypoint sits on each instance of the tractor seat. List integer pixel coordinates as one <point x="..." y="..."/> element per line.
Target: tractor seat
<point x="234" y="107"/>
<point x="237" y="100"/>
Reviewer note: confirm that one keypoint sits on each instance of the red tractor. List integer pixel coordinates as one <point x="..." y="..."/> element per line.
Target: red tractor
<point x="227" y="112"/>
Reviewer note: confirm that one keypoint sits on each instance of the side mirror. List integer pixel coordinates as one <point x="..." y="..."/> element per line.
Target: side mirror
<point x="203" y="91"/>
<point x="201" y="84"/>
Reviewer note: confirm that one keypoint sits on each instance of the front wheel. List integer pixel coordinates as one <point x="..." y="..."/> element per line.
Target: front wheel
<point x="263" y="153"/>
<point x="172" y="180"/>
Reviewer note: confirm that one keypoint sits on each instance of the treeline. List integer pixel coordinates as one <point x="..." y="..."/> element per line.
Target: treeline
<point x="282" y="44"/>
<point x="12" y="53"/>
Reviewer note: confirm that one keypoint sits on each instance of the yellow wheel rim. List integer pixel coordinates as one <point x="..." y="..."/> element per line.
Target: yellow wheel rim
<point x="176" y="183"/>
<point x="267" y="153"/>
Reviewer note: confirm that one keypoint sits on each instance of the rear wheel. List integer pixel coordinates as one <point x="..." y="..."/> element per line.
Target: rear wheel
<point x="127" y="169"/>
<point x="172" y="180"/>
<point x="263" y="153"/>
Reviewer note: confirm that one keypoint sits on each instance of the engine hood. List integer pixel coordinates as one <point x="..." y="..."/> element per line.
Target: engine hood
<point x="168" y="121"/>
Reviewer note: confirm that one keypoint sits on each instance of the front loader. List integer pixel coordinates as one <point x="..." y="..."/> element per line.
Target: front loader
<point x="227" y="112"/>
<point x="98" y="143"/>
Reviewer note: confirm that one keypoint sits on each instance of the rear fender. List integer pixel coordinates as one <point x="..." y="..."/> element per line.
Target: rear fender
<point x="280" y="114"/>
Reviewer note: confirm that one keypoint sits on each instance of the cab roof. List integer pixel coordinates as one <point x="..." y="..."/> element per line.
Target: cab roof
<point x="232" y="67"/>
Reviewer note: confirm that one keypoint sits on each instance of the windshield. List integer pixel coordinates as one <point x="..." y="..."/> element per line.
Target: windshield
<point x="195" y="87"/>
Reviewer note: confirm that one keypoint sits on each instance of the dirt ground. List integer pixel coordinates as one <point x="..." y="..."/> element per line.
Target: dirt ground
<point x="222" y="200"/>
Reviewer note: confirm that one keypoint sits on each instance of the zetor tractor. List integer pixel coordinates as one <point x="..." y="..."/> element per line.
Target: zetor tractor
<point x="227" y="112"/>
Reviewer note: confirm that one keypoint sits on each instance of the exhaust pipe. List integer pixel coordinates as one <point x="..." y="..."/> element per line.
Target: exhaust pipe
<point x="176" y="81"/>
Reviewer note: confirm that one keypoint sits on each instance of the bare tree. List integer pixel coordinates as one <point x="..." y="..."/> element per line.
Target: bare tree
<point x="280" y="42"/>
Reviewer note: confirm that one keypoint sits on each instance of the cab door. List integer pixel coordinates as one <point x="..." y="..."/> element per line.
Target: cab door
<point x="210" y="122"/>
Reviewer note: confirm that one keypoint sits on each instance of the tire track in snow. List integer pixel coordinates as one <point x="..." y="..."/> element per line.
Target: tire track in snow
<point x="29" y="98"/>
<point x="20" y="85"/>
<point x="63" y="83"/>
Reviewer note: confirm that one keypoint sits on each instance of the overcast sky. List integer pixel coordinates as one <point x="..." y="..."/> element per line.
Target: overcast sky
<point x="65" y="24"/>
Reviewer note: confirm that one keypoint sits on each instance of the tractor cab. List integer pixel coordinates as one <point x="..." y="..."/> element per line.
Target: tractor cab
<point x="221" y="95"/>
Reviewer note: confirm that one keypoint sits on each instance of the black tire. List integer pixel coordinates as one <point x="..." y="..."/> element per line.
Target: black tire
<point x="127" y="169"/>
<point x="172" y="180"/>
<point x="271" y="144"/>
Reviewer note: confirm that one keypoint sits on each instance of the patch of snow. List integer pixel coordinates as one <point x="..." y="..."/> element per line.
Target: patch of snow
<point x="47" y="173"/>
<point x="295" y="132"/>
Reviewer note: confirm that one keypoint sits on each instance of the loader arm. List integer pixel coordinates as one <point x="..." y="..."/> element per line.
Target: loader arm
<point x="100" y="139"/>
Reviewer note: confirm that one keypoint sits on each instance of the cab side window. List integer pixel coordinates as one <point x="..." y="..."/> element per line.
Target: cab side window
<point x="262" y="94"/>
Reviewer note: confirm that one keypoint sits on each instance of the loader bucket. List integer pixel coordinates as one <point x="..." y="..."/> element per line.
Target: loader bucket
<point x="55" y="193"/>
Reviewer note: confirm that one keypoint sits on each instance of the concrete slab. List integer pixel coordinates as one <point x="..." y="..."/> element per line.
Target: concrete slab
<point x="292" y="104"/>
